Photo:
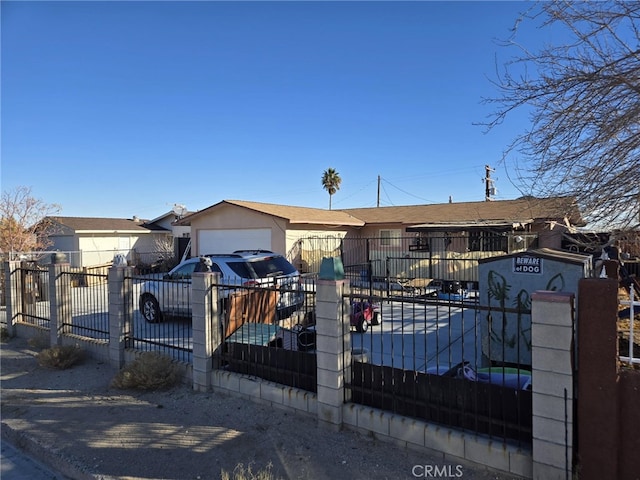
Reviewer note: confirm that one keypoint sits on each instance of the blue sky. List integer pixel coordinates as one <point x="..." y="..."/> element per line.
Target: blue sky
<point x="116" y="109"/>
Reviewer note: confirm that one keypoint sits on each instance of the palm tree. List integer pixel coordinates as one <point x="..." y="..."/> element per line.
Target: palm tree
<point x="331" y="182"/>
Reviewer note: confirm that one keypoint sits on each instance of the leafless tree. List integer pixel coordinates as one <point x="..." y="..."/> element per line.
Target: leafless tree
<point x="583" y="101"/>
<point x="23" y="222"/>
<point x="164" y="246"/>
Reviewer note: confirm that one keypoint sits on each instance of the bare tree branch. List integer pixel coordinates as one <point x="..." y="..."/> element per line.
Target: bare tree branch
<point x="584" y="103"/>
<point x="23" y="221"/>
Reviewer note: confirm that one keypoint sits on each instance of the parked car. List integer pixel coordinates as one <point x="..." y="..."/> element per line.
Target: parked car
<point x="261" y="268"/>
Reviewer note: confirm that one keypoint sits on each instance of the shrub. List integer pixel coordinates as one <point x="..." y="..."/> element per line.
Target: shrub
<point x="150" y="371"/>
<point x="242" y="473"/>
<point x="60" y="356"/>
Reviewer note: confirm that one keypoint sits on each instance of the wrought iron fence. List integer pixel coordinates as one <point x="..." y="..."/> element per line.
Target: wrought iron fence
<point x="33" y="282"/>
<point x="271" y="339"/>
<point x="392" y="263"/>
<point x="629" y="330"/>
<point x="429" y="359"/>
<point x="87" y="313"/>
<point x="158" y="316"/>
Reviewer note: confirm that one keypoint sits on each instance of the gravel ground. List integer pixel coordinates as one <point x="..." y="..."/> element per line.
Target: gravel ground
<point x="73" y="421"/>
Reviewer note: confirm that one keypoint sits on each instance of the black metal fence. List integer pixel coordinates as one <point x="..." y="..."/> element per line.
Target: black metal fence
<point x="428" y="359"/>
<point x="33" y="282"/>
<point x="87" y="313"/>
<point x="397" y="263"/>
<point x="267" y="338"/>
<point x="158" y="315"/>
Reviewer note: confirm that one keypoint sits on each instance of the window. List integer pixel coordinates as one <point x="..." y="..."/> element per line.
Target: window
<point x="480" y="241"/>
<point x="390" y="238"/>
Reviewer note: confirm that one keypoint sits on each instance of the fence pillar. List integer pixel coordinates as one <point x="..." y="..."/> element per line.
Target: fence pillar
<point x="120" y="313"/>
<point x="552" y="360"/>
<point x="333" y="349"/>
<point x="598" y="406"/>
<point x="207" y="331"/>
<point x="60" y="318"/>
<point x="13" y="295"/>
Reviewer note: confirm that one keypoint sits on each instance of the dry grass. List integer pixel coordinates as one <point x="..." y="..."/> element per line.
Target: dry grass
<point x="246" y="473"/>
<point x="60" y="357"/>
<point x="150" y="371"/>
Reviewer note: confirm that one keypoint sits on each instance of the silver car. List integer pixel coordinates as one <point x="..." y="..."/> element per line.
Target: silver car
<point x="171" y="296"/>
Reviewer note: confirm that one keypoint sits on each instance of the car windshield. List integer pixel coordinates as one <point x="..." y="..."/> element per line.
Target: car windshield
<point x="241" y="269"/>
<point x="184" y="272"/>
<point x="272" y="266"/>
<point x="262" y="268"/>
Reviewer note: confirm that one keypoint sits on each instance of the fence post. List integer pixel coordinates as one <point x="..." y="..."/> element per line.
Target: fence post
<point x="598" y="380"/>
<point x="333" y="349"/>
<point x="552" y="363"/>
<point x="60" y="318"/>
<point x="13" y="295"/>
<point x="207" y="333"/>
<point x="120" y="313"/>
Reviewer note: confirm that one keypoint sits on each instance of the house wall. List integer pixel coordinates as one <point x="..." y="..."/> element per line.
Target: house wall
<point x="148" y="243"/>
<point x="237" y="218"/>
<point x="64" y="243"/>
<point x="100" y="249"/>
<point x="176" y="230"/>
<point x="549" y="234"/>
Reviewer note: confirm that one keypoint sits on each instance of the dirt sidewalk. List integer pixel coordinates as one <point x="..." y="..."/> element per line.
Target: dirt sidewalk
<point x="73" y="421"/>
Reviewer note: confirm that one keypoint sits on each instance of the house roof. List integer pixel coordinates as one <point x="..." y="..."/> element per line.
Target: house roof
<point x="524" y="210"/>
<point x="167" y="215"/>
<point x="93" y="224"/>
<point x="295" y="215"/>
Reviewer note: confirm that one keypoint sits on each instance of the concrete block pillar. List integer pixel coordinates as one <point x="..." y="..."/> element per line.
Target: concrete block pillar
<point x="333" y="349"/>
<point x="13" y="295"/>
<point x="552" y="354"/>
<point x="60" y="317"/>
<point x="120" y="313"/>
<point x="207" y="331"/>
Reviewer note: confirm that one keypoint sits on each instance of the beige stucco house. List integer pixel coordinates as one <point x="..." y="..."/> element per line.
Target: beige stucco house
<point x="236" y="225"/>
<point x="90" y="241"/>
<point x="402" y="231"/>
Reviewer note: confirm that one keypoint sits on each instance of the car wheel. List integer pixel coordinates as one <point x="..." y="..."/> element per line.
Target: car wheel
<point x="150" y="309"/>
<point x="363" y="325"/>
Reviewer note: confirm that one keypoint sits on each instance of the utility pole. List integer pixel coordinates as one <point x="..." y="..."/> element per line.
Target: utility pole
<point x="489" y="189"/>
<point x="378" y="201"/>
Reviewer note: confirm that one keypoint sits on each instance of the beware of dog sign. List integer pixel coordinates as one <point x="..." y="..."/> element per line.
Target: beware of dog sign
<point x="527" y="264"/>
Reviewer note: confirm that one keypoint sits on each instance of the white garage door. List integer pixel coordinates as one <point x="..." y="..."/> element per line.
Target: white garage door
<point x="226" y="241"/>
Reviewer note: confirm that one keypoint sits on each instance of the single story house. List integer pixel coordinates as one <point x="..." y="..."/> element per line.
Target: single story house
<point x="237" y="225"/>
<point x="91" y="241"/>
<point x="504" y="225"/>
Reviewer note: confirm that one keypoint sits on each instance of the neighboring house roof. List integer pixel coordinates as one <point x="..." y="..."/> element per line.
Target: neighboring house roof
<point x="100" y="225"/>
<point x="499" y="212"/>
<point x="171" y="216"/>
<point x="295" y="215"/>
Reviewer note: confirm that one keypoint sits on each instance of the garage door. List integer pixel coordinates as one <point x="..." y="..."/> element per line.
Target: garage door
<point x="226" y="241"/>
